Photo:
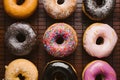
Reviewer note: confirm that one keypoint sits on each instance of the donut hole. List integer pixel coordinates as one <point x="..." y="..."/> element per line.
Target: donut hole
<point x="20" y="2"/>
<point x="21" y="77"/>
<point x="59" y="39"/>
<point x="99" y="41"/>
<point x="21" y="37"/>
<point x="59" y="76"/>
<point x="60" y="2"/>
<point x="99" y="2"/>
<point x="99" y="77"/>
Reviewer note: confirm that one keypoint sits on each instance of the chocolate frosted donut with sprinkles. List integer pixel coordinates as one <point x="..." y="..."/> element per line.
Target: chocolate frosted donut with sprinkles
<point x="98" y="9"/>
<point x="60" y="40"/>
<point x="20" y="38"/>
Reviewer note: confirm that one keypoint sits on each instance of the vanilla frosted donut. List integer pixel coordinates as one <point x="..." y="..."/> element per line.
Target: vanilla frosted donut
<point x="98" y="67"/>
<point x="21" y="69"/>
<point x="59" y="9"/>
<point x="99" y="40"/>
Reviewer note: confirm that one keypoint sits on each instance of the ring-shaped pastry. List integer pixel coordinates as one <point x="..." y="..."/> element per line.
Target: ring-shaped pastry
<point x="21" y="69"/>
<point x="98" y="9"/>
<point x="59" y="70"/>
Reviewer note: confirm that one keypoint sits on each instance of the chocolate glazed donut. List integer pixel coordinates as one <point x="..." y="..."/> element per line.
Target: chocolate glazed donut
<point x="98" y="9"/>
<point x="59" y="70"/>
<point x="20" y="39"/>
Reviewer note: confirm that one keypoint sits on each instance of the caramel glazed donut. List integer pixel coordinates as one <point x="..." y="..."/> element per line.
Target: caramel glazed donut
<point x="59" y="70"/>
<point x="59" y="9"/>
<point x="21" y="69"/>
<point x="98" y="67"/>
<point x="60" y="40"/>
<point x="20" y="9"/>
<point x="99" y="40"/>
<point x="20" y="39"/>
<point x="98" y="9"/>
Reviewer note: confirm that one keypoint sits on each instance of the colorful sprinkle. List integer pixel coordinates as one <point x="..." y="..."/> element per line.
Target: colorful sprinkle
<point x="53" y="32"/>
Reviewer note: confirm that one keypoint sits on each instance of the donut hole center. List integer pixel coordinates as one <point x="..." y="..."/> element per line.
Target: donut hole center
<point x="99" y="41"/>
<point x="99" y="2"/>
<point x="21" y="37"/>
<point x="21" y="77"/>
<point x="20" y="2"/>
<point x="99" y="77"/>
<point x="59" y="39"/>
<point x="60" y="2"/>
<point x="59" y="76"/>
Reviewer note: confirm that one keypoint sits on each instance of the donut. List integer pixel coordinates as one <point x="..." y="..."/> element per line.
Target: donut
<point x="21" y="69"/>
<point x="20" y="38"/>
<point x="97" y="68"/>
<point x="60" y="40"/>
<point x="98" y="9"/>
<point x="99" y="40"/>
<point x="59" y="70"/>
<point x="59" y="9"/>
<point x="20" y="9"/>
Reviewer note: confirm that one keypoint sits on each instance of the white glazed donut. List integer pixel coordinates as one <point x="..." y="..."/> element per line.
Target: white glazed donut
<point x="95" y="32"/>
<point x="59" y="9"/>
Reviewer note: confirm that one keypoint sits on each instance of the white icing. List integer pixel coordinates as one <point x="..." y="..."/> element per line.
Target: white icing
<point x="99" y="30"/>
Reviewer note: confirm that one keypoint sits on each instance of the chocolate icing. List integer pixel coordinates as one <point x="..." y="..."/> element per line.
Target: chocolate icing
<point x="20" y="39"/>
<point x="96" y="11"/>
<point x="59" y="70"/>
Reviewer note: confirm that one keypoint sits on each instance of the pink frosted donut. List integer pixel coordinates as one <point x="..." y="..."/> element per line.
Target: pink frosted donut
<point x="96" y="68"/>
<point x="60" y="40"/>
<point x="99" y="40"/>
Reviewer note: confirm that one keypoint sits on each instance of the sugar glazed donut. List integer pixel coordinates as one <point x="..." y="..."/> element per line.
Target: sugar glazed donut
<point x="20" y="9"/>
<point x="98" y="67"/>
<point x="99" y="40"/>
<point x="60" y="40"/>
<point x="98" y="9"/>
<point x="59" y="70"/>
<point x="20" y="39"/>
<point x="21" y="69"/>
<point x="59" y="9"/>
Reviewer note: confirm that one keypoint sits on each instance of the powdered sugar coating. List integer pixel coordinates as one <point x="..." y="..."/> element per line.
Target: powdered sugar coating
<point x="59" y="11"/>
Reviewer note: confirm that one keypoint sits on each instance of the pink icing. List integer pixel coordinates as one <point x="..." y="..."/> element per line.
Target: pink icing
<point x="99" y="67"/>
<point x="50" y="36"/>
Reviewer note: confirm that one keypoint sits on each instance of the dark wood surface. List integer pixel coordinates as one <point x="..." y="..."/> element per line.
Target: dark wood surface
<point x="41" y="21"/>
